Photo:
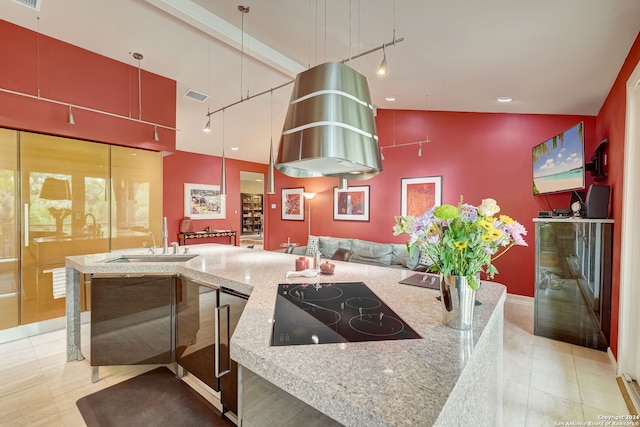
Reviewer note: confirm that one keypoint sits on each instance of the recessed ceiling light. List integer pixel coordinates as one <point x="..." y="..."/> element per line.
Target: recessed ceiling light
<point x="504" y="99"/>
<point x="390" y="98"/>
<point x="235" y="148"/>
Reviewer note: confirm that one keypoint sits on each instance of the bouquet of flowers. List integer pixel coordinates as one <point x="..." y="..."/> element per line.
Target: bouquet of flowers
<point x="462" y="240"/>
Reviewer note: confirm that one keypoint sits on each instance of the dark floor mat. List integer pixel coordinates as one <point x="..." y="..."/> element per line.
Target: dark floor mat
<point x="155" y="398"/>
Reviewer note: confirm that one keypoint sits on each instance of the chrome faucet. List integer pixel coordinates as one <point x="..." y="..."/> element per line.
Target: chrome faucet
<point x="153" y="239"/>
<point x="175" y="247"/>
<point x="165" y="236"/>
<point x="93" y="229"/>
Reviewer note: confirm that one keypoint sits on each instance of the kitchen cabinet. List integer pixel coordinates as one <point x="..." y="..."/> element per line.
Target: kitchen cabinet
<point x="132" y="320"/>
<point x="251" y="213"/>
<point x="160" y="319"/>
<point x="573" y="280"/>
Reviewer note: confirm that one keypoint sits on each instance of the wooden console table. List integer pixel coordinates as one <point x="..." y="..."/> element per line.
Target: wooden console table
<point x="183" y="237"/>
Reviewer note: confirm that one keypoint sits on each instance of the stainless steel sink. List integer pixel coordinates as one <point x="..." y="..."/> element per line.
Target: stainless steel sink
<point x="153" y="258"/>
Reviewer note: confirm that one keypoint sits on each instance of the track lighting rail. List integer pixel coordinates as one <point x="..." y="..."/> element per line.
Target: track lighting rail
<point x="375" y="49"/>
<point x="344" y="61"/>
<point x="80" y="107"/>
<point x="405" y="144"/>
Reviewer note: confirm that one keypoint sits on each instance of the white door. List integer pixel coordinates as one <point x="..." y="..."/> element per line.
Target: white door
<point x="629" y="337"/>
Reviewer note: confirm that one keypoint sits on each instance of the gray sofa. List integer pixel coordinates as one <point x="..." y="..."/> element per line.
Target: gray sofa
<point x="366" y="252"/>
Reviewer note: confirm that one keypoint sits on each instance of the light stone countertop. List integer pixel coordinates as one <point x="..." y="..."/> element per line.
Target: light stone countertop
<point x="382" y="383"/>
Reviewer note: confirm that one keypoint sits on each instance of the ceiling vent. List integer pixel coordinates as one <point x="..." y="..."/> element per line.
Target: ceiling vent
<point x="195" y="95"/>
<point x="31" y="4"/>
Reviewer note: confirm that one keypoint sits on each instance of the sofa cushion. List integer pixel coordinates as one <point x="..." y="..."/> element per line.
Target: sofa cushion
<point x="372" y="252"/>
<point x="329" y="245"/>
<point x="401" y="256"/>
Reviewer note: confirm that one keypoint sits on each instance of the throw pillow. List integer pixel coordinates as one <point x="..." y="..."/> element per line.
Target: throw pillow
<point x="312" y="246"/>
<point x="424" y="259"/>
<point x="342" y="255"/>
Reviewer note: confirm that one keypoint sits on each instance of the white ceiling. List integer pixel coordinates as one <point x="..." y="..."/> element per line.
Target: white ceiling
<point x="550" y="56"/>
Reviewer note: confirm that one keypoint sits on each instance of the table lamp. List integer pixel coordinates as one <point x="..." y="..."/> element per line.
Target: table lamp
<point x="56" y="189"/>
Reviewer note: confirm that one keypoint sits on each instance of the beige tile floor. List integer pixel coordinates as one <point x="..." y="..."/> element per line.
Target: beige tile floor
<point x="546" y="381"/>
<point x="550" y="383"/>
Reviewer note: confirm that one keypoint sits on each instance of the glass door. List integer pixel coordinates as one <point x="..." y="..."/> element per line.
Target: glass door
<point x="64" y="208"/>
<point x="9" y="268"/>
<point x="136" y="211"/>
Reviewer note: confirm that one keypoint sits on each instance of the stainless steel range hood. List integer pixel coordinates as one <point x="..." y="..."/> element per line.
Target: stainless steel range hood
<point x="330" y="128"/>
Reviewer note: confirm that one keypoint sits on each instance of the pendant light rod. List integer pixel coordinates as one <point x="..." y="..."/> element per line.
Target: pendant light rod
<point x="344" y="61"/>
<point x="271" y="180"/>
<point x="223" y="166"/>
<point x="138" y="56"/>
<point x="243" y="10"/>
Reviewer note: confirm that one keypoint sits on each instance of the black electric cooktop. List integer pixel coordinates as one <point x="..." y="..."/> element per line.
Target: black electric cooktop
<point x="320" y="313"/>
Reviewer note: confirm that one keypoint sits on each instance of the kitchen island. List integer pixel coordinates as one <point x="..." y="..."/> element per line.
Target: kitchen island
<point x="446" y="378"/>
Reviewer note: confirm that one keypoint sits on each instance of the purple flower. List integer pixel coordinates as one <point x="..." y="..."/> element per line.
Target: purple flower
<point x="468" y="212"/>
<point x="516" y="231"/>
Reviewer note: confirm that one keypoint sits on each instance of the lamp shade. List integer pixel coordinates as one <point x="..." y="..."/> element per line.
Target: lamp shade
<point x="330" y="128"/>
<point x="55" y="189"/>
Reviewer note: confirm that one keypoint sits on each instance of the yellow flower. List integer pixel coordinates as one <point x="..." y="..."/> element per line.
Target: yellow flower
<point x="496" y="234"/>
<point x="507" y="219"/>
<point x="487" y="225"/>
<point x="460" y="245"/>
<point x="487" y="238"/>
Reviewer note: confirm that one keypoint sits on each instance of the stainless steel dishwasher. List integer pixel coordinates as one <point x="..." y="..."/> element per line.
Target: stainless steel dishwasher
<point x="206" y="317"/>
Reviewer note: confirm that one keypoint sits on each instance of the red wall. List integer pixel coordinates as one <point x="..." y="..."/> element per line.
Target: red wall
<point x="611" y="125"/>
<point x="478" y="156"/>
<point x="33" y="63"/>
<point x="183" y="167"/>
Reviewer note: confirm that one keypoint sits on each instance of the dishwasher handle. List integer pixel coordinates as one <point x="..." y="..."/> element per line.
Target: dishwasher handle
<point x="218" y="371"/>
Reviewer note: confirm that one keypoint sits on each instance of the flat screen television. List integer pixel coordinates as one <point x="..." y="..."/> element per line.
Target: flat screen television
<point x="558" y="163"/>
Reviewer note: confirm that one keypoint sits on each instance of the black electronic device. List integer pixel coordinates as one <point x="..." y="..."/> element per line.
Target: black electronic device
<point x="597" y="202"/>
<point x="545" y="214"/>
<point x="598" y="162"/>
<point x="562" y="212"/>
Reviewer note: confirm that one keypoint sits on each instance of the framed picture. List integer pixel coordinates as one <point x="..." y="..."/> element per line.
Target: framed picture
<point x="203" y="201"/>
<point x="420" y="194"/>
<point x="293" y="204"/>
<point x="351" y="204"/>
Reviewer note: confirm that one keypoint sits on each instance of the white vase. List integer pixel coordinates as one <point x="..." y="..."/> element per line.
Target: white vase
<point x="458" y="300"/>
